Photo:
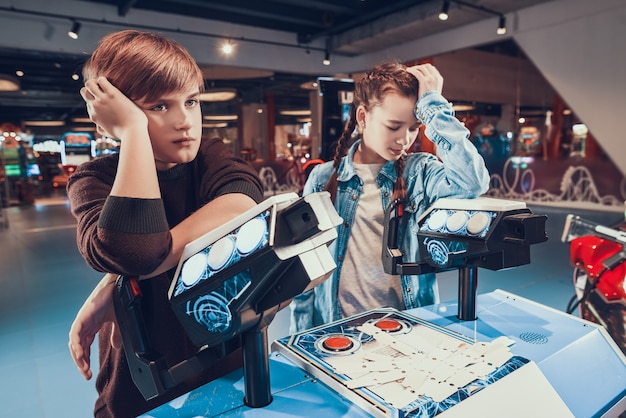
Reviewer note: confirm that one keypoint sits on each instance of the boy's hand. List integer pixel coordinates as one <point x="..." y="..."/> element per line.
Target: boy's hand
<point x="428" y="77"/>
<point x="96" y="312"/>
<point x="110" y="109"/>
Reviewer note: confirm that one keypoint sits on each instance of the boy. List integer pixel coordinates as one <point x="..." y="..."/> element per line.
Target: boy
<point x="136" y="210"/>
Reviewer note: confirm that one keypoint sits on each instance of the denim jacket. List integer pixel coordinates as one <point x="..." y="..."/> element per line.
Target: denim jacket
<point x="461" y="173"/>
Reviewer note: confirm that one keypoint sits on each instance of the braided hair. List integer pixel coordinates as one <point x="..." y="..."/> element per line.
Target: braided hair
<point x="370" y="91"/>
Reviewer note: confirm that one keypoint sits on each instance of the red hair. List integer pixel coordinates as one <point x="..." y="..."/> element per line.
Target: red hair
<point x="143" y="65"/>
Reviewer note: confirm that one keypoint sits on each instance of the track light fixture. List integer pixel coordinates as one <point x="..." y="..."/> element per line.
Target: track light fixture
<point x="73" y="33"/>
<point x="443" y="15"/>
<point x="501" y="25"/>
<point x="326" y="58"/>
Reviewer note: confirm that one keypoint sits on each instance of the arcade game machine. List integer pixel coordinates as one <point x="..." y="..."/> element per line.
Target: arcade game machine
<point x="493" y="354"/>
<point x="499" y="355"/>
<point x="20" y="170"/>
<point x="76" y="148"/>
<point x="105" y="146"/>
<point x="4" y="192"/>
<point x="598" y="255"/>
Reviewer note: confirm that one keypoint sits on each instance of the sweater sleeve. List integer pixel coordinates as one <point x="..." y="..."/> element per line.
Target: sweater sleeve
<point x="223" y="173"/>
<point x="116" y="234"/>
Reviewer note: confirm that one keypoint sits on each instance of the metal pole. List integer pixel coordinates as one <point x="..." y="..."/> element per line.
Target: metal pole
<point x="468" y="286"/>
<point x="256" y="373"/>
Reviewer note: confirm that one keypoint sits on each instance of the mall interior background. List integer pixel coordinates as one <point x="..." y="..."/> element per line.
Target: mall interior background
<point x="559" y="66"/>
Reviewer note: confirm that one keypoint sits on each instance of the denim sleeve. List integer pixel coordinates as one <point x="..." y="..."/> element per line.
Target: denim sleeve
<point x="302" y="308"/>
<point x="461" y="171"/>
<point x="318" y="178"/>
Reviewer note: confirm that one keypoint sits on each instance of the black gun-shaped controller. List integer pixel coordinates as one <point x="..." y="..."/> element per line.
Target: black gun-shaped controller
<point x="278" y="250"/>
<point x="463" y="234"/>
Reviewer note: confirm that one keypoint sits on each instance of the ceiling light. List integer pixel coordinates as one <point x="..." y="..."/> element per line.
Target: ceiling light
<point x="463" y="108"/>
<point x="19" y="73"/>
<point x="9" y="83"/>
<point x="218" y="95"/>
<point x="227" y="47"/>
<point x="73" y="33"/>
<point x="43" y="123"/>
<point x="326" y="58"/>
<point x="303" y="112"/>
<point x="81" y="120"/>
<point x="215" y="125"/>
<point x="501" y="26"/>
<point x="443" y="15"/>
<point x="220" y="117"/>
<point x="309" y="85"/>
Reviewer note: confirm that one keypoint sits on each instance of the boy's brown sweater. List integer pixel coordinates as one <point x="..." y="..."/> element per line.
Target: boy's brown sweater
<point x="131" y="237"/>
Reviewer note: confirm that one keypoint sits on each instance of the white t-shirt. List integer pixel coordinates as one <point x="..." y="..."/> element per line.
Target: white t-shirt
<point x="363" y="284"/>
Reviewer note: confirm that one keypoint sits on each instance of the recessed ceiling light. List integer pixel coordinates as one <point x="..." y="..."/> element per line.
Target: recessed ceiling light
<point x="218" y="95"/>
<point x="303" y="112"/>
<point x="462" y="108"/>
<point x="215" y="125"/>
<point x="9" y="83"/>
<point x="43" y="123"/>
<point x="309" y="85"/>
<point x="220" y="117"/>
<point x="82" y="120"/>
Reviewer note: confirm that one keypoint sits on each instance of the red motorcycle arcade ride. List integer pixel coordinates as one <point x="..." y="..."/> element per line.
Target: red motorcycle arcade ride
<point x="598" y="255"/>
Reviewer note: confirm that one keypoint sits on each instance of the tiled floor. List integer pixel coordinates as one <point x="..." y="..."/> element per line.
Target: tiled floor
<point x="44" y="281"/>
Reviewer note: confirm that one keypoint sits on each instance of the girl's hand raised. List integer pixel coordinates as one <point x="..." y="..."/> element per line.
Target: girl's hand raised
<point x="428" y="77"/>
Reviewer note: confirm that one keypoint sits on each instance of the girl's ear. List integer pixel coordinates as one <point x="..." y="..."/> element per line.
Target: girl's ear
<point x="360" y="116"/>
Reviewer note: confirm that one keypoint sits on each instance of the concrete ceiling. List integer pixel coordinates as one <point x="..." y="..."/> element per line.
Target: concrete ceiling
<point x="279" y="43"/>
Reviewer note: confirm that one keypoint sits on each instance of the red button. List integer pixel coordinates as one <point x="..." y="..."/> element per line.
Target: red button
<point x="389" y="325"/>
<point x="338" y="343"/>
<point x="134" y="286"/>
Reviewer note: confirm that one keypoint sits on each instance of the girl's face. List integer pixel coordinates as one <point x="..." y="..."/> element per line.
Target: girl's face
<point x="389" y="129"/>
<point x="174" y="126"/>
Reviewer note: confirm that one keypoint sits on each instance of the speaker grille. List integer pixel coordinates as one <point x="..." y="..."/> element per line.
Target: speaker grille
<point x="533" y="338"/>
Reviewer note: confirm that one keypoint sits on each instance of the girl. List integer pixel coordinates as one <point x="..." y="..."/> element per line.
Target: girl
<point x="366" y="176"/>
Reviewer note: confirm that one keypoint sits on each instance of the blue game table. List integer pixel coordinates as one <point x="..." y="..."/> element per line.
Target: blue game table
<point x="578" y="358"/>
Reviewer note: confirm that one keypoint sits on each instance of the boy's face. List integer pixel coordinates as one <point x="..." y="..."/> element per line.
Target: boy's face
<point x="174" y="126"/>
<point x="390" y="129"/>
